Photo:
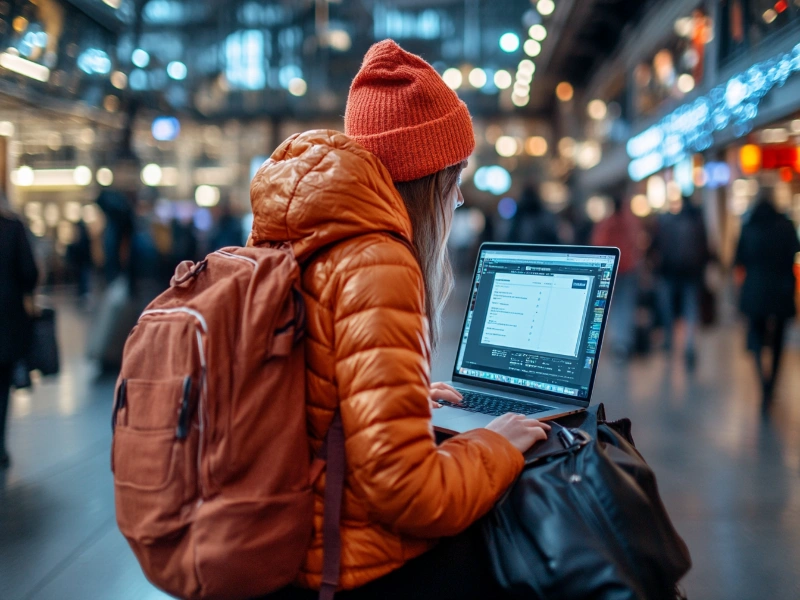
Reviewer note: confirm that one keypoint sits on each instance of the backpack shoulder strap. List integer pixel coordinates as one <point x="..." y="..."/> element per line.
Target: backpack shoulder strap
<point x="333" y="453"/>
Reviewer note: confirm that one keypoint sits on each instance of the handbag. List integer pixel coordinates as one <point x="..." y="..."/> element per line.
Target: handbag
<point x="585" y="521"/>
<point x="21" y="376"/>
<point x="43" y="353"/>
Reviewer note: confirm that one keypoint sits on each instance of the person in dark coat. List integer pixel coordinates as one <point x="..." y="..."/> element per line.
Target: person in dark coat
<point x="766" y="251"/>
<point x="533" y="223"/>
<point x="18" y="275"/>
<point x="680" y="245"/>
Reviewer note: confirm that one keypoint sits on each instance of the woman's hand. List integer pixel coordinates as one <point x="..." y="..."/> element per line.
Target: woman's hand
<point x="521" y="431"/>
<point x="442" y="391"/>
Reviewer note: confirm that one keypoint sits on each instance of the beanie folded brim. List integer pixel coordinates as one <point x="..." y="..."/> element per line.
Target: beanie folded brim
<point x="413" y="152"/>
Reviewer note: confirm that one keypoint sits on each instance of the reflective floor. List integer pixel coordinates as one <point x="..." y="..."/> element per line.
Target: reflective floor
<point x="730" y="480"/>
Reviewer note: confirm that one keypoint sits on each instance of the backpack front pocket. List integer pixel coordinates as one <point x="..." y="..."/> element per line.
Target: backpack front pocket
<point x="154" y="456"/>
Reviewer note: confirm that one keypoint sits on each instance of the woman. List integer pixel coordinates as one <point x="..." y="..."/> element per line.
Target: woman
<point x="368" y="215"/>
<point x="767" y="249"/>
<point x="18" y="275"/>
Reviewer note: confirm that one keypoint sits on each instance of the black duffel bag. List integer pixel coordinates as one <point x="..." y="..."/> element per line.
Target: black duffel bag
<point x="585" y="521"/>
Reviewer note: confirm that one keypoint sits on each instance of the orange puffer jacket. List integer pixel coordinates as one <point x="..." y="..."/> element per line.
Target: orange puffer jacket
<point x="367" y="352"/>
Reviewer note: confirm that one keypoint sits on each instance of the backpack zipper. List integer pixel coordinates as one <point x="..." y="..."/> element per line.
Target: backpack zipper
<point x="237" y="257"/>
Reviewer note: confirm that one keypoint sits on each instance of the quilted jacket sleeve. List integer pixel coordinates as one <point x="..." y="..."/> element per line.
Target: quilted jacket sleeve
<point x="382" y="374"/>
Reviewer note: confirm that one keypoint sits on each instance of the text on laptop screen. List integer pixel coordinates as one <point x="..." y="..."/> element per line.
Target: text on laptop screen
<point x="534" y="320"/>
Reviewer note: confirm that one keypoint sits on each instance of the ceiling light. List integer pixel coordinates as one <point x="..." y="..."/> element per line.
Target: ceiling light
<point x="165" y="129"/>
<point x="177" y="70"/>
<point x="520" y="101"/>
<point x="597" y="110"/>
<point x="72" y="211"/>
<point x="105" y="176"/>
<point x="206" y="196"/>
<point x="502" y="79"/>
<point x="506" y="146"/>
<point x="597" y="208"/>
<point x="589" y="155"/>
<point x="532" y="48"/>
<point x="509" y="42"/>
<point x="338" y="39"/>
<point x="298" y="86"/>
<point x="566" y="147"/>
<point x="7" y="128"/>
<point x="526" y="66"/>
<point x="522" y="88"/>
<point x="24" y="67"/>
<point x="119" y="80"/>
<point x="115" y="4"/>
<point x="656" y="192"/>
<point x="111" y="103"/>
<point x="536" y="146"/>
<point x="685" y="83"/>
<point x="140" y="58"/>
<point x="493" y="179"/>
<point x="23" y="176"/>
<point x="453" y="78"/>
<point x="545" y="7"/>
<point x="94" y="61"/>
<point x="477" y="78"/>
<point x="524" y="77"/>
<point x="640" y="206"/>
<point x="151" y="175"/>
<point x="684" y="27"/>
<point x="538" y="32"/>
<point x="564" y="91"/>
<point x="770" y="15"/>
<point x="82" y="175"/>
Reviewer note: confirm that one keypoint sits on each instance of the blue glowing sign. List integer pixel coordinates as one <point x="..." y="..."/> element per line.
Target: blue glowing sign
<point x="690" y="128"/>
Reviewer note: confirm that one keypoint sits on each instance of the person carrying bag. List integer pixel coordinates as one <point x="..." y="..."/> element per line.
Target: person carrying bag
<point x="18" y="276"/>
<point x="585" y="521"/>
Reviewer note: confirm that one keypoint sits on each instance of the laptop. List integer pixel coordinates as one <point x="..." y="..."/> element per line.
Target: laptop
<point x="532" y="333"/>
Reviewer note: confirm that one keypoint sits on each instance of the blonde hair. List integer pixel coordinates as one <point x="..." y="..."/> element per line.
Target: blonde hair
<point x="425" y="200"/>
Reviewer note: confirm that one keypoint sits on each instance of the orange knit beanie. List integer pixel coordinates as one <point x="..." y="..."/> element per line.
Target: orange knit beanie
<point x="400" y="110"/>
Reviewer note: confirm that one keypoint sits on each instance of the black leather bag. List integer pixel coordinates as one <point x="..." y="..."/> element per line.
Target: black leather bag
<point x="585" y="521"/>
<point x="43" y="353"/>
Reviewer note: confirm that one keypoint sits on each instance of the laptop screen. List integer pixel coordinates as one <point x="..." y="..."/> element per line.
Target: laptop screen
<point x="535" y="319"/>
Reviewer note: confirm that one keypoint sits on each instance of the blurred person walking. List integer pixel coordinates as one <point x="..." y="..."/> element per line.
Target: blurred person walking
<point x="533" y="223"/>
<point x="228" y="229"/>
<point x="766" y="251"/>
<point x="623" y="230"/>
<point x="79" y="256"/>
<point x="18" y="276"/>
<point x="680" y="246"/>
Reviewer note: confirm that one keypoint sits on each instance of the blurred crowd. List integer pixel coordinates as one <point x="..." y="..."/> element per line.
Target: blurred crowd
<point x="667" y="273"/>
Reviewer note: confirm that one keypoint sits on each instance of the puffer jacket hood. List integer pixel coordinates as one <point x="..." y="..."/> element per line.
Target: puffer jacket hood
<point x="321" y="187"/>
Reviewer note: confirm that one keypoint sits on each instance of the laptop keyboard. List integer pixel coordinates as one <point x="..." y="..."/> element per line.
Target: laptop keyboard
<point x="494" y="405"/>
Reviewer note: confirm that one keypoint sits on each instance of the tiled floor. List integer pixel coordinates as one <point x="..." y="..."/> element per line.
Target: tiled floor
<point x="730" y="481"/>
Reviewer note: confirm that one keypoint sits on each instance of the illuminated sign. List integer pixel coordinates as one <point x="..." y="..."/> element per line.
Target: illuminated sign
<point x="690" y="128"/>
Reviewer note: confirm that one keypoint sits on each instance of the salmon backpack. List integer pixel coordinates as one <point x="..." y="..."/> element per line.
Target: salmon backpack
<point x="212" y="469"/>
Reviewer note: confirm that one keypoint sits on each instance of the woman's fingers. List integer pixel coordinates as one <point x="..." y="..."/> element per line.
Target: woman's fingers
<point x="434" y="404"/>
<point x="448" y="395"/>
<point x="442" y="391"/>
<point x="444" y="386"/>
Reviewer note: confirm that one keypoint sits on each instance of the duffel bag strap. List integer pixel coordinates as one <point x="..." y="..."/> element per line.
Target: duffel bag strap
<point x="333" y="453"/>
